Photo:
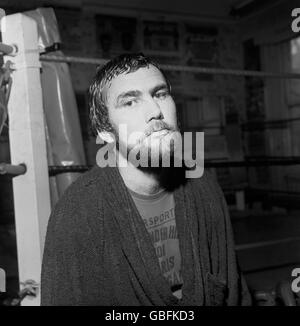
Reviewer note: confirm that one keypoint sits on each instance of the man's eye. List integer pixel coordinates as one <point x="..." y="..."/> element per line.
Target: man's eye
<point x="162" y="94"/>
<point x="129" y="103"/>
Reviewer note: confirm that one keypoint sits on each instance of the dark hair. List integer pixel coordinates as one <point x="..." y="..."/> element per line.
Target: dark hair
<point x="125" y="63"/>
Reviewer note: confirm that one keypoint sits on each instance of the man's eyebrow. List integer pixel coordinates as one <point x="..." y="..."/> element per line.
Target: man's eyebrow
<point x="132" y="93"/>
<point x="159" y="87"/>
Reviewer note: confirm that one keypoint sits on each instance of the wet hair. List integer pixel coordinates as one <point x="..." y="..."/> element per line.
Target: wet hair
<point x="123" y="64"/>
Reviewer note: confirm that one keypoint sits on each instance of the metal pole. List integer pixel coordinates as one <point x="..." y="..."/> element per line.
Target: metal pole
<point x="13" y="170"/>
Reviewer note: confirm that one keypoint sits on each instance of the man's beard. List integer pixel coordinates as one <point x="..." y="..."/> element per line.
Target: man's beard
<point x="169" y="177"/>
<point x="154" y="150"/>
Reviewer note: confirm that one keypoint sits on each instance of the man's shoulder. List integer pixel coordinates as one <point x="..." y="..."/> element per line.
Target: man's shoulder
<point x="85" y="183"/>
<point x="83" y="193"/>
<point x="207" y="182"/>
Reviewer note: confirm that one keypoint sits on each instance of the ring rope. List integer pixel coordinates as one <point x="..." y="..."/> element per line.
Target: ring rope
<point x="179" y="68"/>
<point x="56" y="169"/>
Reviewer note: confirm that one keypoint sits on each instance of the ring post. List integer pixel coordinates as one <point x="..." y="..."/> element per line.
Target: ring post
<point x="27" y="145"/>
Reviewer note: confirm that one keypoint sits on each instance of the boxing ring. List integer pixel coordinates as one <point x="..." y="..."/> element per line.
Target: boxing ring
<point x="29" y="165"/>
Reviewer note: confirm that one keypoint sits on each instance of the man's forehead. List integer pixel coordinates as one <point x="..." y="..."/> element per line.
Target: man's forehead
<point x="144" y="77"/>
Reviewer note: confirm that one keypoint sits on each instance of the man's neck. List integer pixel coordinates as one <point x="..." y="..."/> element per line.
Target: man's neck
<point x="138" y="180"/>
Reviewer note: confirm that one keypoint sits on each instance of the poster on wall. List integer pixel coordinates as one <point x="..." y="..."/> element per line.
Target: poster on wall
<point x="160" y="38"/>
<point x="115" y="35"/>
<point x="200" y="45"/>
<point x="200" y="50"/>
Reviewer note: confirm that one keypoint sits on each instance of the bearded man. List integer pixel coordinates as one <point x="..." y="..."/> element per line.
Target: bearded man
<point x="140" y="232"/>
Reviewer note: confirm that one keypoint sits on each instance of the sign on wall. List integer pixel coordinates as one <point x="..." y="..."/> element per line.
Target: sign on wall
<point x="115" y="35"/>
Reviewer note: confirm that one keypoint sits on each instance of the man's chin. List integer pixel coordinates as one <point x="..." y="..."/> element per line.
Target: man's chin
<point x="151" y="157"/>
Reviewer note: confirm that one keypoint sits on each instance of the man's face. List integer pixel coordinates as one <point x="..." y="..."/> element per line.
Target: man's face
<point x="141" y="101"/>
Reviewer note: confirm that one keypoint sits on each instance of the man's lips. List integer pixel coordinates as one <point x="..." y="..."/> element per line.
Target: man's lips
<point x="154" y="133"/>
<point x="160" y="132"/>
<point x="156" y="126"/>
<point x="155" y="129"/>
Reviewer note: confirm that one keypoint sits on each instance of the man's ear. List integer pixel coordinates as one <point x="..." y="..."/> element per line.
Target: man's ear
<point x="105" y="136"/>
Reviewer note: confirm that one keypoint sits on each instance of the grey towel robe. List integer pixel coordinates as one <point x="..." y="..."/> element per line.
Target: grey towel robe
<point x="98" y="251"/>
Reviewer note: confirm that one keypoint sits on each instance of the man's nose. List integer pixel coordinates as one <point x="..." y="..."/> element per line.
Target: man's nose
<point x="152" y="110"/>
